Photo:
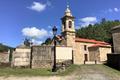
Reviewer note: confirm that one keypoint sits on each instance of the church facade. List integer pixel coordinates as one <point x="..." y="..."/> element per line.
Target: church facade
<point x="84" y="50"/>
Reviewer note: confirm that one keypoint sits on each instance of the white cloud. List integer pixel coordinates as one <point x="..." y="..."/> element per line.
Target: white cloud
<point x="113" y="10"/>
<point x="33" y="32"/>
<point x="36" y="35"/>
<point x="88" y="20"/>
<point x="36" y="42"/>
<point x="116" y="9"/>
<point x="37" y="6"/>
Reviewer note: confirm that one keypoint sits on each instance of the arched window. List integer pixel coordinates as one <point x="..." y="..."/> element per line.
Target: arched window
<point x="70" y="24"/>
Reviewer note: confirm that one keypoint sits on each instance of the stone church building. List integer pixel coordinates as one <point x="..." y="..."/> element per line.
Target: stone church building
<point x="79" y="50"/>
<point x="84" y="50"/>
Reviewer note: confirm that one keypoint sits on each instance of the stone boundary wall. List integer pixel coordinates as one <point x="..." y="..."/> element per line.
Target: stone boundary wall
<point x="42" y="57"/>
<point x="113" y="60"/>
<point x="21" y="57"/>
<point x="4" y="57"/>
<point x="4" y="65"/>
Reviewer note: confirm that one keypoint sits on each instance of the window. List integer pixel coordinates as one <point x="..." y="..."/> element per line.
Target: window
<point x="85" y="47"/>
<point x="70" y="24"/>
<point x="86" y="57"/>
<point x="64" y="25"/>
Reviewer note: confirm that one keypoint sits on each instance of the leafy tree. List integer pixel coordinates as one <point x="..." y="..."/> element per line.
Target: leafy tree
<point x="99" y="31"/>
<point x="27" y="42"/>
<point x="47" y="41"/>
<point x="4" y="48"/>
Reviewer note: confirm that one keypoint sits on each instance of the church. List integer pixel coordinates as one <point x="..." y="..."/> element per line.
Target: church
<point x="69" y="48"/>
<point x="84" y="50"/>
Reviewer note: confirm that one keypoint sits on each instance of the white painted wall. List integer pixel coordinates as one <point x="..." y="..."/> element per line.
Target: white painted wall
<point x="64" y="53"/>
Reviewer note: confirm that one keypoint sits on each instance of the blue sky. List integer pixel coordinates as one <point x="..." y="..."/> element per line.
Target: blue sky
<point x="35" y="18"/>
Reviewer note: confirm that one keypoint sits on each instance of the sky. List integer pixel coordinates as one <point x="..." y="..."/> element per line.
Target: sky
<point x="35" y="18"/>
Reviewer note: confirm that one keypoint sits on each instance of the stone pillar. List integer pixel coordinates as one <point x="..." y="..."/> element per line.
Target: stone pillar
<point x="116" y="39"/>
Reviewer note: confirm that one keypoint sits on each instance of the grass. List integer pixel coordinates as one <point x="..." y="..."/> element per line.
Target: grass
<point x="34" y="72"/>
<point x="78" y="70"/>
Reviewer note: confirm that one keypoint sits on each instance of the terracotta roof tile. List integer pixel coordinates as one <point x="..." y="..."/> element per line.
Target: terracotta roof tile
<point x="100" y="45"/>
<point x="90" y="41"/>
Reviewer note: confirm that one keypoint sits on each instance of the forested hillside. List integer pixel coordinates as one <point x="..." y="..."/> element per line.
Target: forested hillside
<point x="99" y="31"/>
<point x="4" y="48"/>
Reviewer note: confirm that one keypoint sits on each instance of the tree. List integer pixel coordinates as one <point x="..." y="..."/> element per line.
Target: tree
<point x="103" y="20"/>
<point x="47" y="41"/>
<point x="4" y="48"/>
<point x="27" y="42"/>
<point x="99" y="31"/>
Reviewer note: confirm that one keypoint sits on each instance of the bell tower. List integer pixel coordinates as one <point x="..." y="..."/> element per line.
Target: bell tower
<point x="68" y="29"/>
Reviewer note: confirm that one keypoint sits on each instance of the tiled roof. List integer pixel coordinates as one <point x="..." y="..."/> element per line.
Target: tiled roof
<point x="59" y="37"/>
<point x="90" y="41"/>
<point x="100" y="45"/>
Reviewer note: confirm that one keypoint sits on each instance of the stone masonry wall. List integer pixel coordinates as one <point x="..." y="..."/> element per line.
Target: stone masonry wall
<point x="4" y="57"/>
<point x="116" y="39"/>
<point x="42" y="57"/>
<point x="21" y="57"/>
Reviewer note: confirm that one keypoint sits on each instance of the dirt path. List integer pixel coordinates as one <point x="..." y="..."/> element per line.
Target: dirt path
<point x="96" y="72"/>
<point x="32" y="78"/>
<point x="40" y="78"/>
<point x="86" y="72"/>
